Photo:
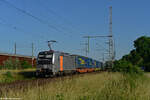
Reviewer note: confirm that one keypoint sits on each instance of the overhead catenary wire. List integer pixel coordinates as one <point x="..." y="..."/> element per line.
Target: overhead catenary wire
<point x="73" y="27"/>
<point x="102" y="46"/>
<point x="33" y="16"/>
<point x="12" y="26"/>
<point x="3" y="22"/>
<point x="66" y="34"/>
<point x="26" y="13"/>
<point x="19" y="46"/>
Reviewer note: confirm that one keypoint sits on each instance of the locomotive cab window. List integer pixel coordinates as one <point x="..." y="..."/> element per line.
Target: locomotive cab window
<point x="45" y="58"/>
<point x="45" y="55"/>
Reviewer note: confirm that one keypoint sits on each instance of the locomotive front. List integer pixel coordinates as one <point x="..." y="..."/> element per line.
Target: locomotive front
<point x="45" y="62"/>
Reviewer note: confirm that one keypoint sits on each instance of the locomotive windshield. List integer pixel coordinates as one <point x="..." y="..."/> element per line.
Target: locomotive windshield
<point x="45" y="58"/>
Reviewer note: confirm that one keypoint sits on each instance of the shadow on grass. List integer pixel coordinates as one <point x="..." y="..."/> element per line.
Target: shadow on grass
<point x="28" y="74"/>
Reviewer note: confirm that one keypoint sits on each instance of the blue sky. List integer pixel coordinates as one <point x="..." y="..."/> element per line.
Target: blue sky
<point x="67" y="21"/>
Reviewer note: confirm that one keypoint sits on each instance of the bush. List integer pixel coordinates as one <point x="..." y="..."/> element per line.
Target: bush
<point x="11" y="64"/>
<point x="7" y="78"/>
<point x="1" y="67"/>
<point x="25" y="65"/>
<point x="147" y="66"/>
<point x="15" y="64"/>
<point x="8" y="74"/>
<point x="8" y="64"/>
<point x="126" y="67"/>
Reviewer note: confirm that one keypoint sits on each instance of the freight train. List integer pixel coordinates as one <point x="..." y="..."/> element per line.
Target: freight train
<point x="58" y="63"/>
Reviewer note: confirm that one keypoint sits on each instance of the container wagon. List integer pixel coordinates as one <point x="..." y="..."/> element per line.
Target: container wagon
<point x="6" y="56"/>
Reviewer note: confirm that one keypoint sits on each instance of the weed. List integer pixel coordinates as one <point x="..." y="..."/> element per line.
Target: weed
<point x="103" y="86"/>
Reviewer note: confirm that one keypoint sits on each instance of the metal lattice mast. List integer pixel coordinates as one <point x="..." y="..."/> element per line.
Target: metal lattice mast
<point x="111" y="44"/>
<point x="86" y="48"/>
<point x="32" y="55"/>
<point x="15" y="47"/>
<point x="87" y="45"/>
<point x="88" y="40"/>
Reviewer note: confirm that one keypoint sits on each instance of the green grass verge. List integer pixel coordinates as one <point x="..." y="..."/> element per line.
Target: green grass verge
<point x="103" y="86"/>
<point x="8" y="76"/>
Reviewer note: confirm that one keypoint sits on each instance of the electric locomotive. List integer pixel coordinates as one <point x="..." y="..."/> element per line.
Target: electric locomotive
<point x="54" y="63"/>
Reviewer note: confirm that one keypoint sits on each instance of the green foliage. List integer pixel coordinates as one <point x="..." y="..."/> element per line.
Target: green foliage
<point x="8" y="74"/>
<point x="1" y="67"/>
<point x="15" y="64"/>
<point x="125" y="88"/>
<point x="25" y="64"/>
<point x="142" y="46"/>
<point x="147" y="66"/>
<point x="11" y="64"/>
<point x="60" y="96"/>
<point x="139" y="57"/>
<point x="126" y="67"/>
<point x="7" y="78"/>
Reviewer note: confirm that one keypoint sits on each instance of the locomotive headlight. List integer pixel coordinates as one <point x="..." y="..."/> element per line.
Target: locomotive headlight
<point x="41" y="55"/>
<point x="45" y="66"/>
<point x="48" y="56"/>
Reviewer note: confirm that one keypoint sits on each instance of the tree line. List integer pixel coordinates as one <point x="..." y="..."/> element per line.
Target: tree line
<point x="138" y="59"/>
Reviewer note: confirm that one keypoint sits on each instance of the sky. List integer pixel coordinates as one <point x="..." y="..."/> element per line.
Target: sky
<point x="36" y="21"/>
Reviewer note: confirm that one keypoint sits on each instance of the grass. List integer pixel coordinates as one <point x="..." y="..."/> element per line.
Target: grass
<point x="103" y="86"/>
<point x="7" y="76"/>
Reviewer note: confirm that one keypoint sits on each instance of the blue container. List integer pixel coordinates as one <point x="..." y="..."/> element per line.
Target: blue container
<point x="81" y="62"/>
<point x="85" y="62"/>
<point x="94" y="63"/>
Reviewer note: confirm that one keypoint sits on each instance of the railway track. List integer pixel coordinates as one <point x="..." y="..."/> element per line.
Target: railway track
<point x="26" y="84"/>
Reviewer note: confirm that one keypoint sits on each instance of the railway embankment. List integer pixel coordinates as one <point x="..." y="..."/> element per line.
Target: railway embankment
<point x="22" y="79"/>
<point x="90" y="86"/>
<point x="9" y="76"/>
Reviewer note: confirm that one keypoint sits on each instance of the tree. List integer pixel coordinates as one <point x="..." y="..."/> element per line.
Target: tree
<point x="139" y="57"/>
<point x="142" y="46"/>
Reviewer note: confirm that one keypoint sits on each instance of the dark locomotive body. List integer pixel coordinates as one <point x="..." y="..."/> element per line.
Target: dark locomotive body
<point x="58" y="63"/>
